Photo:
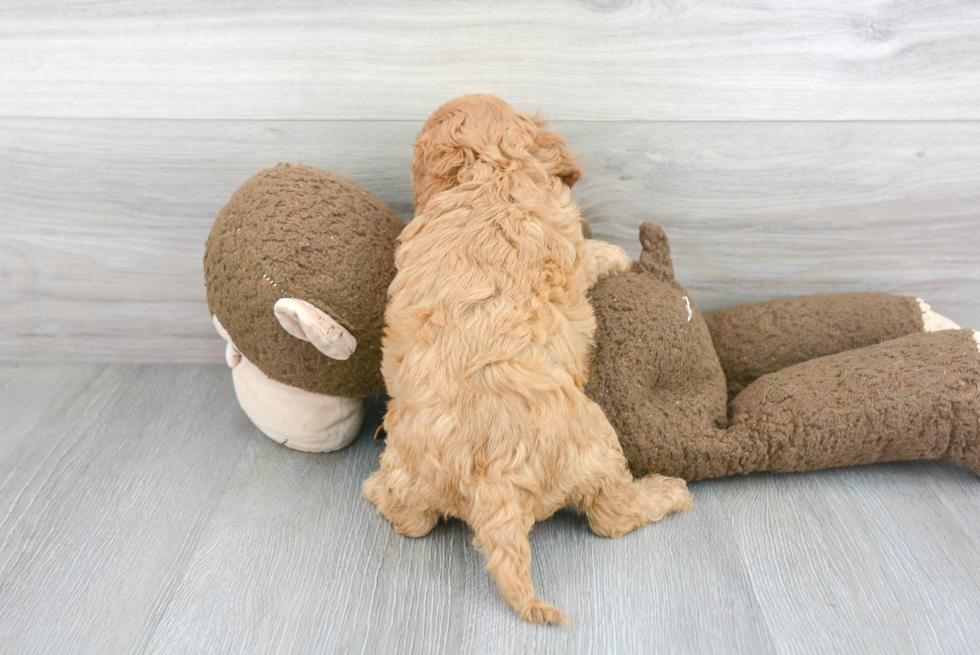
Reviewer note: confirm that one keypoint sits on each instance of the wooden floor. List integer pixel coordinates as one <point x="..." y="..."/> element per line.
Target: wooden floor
<point x="140" y="511"/>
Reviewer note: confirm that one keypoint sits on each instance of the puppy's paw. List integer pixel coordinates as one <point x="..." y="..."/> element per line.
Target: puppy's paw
<point x="413" y="524"/>
<point x="407" y="521"/>
<point x="611" y="259"/>
<point x="538" y="611"/>
<point x="671" y="493"/>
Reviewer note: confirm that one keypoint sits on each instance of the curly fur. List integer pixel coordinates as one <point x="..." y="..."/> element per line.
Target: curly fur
<point x="485" y="351"/>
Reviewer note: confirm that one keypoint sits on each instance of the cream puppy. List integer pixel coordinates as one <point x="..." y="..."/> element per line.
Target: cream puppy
<point x="486" y="346"/>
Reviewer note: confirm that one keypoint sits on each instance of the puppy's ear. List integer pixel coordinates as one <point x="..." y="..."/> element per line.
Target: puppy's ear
<point x="553" y="151"/>
<point x="571" y="173"/>
<point x="438" y="157"/>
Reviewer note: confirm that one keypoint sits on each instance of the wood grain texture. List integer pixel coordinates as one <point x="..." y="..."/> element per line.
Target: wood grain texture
<point x="107" y="477"/>
<point x="103" y="223"/>
<point x="143" y="513"/>
<point x="595" y="59"/>
<point x="836" y="564"/>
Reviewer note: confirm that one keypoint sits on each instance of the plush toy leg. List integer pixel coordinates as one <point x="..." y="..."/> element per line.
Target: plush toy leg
<point x="759" y="338"/>
<point x="917" y="397"/>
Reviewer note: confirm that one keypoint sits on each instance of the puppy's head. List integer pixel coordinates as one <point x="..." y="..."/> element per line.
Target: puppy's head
<point x="478" y="134"/>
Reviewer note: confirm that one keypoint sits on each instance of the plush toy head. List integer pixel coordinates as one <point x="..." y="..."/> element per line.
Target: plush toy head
<point x="653" y="369"/>
<point x="297" y="268"/>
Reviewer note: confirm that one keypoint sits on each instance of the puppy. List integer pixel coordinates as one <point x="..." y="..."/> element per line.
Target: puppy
<point x="485" y="351"/>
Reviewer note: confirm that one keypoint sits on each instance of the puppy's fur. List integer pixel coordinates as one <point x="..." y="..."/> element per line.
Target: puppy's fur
<point x="485" y="351"/>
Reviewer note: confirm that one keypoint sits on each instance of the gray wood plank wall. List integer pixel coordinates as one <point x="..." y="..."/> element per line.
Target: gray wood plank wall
<point x="787" y="147"/>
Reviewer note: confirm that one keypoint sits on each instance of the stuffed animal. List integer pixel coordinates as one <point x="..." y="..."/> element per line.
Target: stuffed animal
<point x="297" y="267"/>
<point x="815" y="381"/>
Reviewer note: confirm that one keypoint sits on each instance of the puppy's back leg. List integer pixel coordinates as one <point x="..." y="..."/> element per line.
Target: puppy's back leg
<point x="502" y="522"/>
<point x="389" y="488"/>
<point x="621" y="504"/>
<point x="616" y="503"/>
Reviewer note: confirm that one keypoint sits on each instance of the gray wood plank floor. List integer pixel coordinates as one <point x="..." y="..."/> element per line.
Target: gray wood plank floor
<point x="141" y="512"/>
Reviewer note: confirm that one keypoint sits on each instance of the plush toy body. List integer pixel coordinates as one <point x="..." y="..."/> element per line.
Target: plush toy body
<point x="815" y="382"/>
<point x="297" y="266"/>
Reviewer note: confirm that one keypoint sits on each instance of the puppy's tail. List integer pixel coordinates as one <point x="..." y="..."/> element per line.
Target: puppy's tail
<point x="502" y="524"/>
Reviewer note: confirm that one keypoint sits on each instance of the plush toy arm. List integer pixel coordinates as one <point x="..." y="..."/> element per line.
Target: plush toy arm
<point x="759" y="338"/>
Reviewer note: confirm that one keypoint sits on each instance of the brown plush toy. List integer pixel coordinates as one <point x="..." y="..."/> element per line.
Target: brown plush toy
<point x="297" y="268"/>
<point x="815" y="382"/>
<point x="299" y="261"/>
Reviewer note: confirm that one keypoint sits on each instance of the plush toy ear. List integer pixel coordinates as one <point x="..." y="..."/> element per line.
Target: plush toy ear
<point x="306" y="322"/>
<point x="655" y="257"/>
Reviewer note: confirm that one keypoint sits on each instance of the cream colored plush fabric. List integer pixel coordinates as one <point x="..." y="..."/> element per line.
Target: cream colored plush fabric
<point x="306" y="322"/>
<point x="296" y="418"/>
<point x="933" y="322"/>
